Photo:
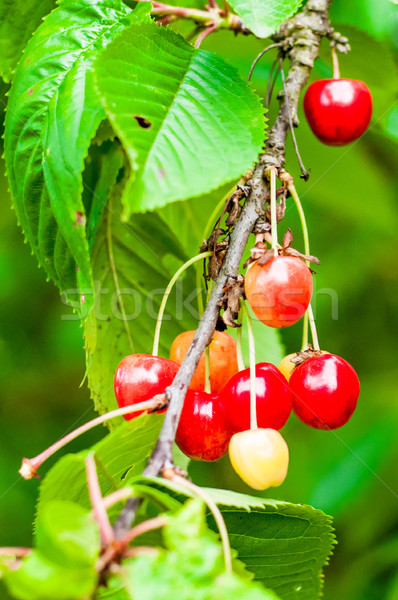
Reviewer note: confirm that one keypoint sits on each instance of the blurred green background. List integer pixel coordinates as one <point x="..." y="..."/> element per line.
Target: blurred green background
<point x="351" y="205"/>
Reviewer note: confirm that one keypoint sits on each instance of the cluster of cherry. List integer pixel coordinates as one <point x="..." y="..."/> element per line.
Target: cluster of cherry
<point x="247" y="408"/>
<point x="322" y="390"/>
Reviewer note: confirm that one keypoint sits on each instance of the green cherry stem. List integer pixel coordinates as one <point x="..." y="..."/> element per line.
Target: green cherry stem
<point x="304" y="228"/>
<point x="198" y="491"/>
<point x="314" y="334"/>
<point x="239" y="339"/>
<point x="201" y="306"/>
<point x="191" y="261"/>
<point x="29" y="466"/>
<point x="252" y="352"/>
<point x="274" y="230"/>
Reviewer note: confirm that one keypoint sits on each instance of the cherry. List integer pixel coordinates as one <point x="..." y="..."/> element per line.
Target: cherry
<point x="286" y="367"/>
<point x="260" y="457"/>
<point x="338" y="110"/>
<point x="273" y="398"/>
<point x="223" y="360"/>
<point x="279" y="292"/>
<point x="326" y="390"/>
<point x="139" y="377"/>
<point x="203" y="431"/>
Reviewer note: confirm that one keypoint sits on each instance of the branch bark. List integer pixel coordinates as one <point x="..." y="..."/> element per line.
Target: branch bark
<point x="303" y="33"/>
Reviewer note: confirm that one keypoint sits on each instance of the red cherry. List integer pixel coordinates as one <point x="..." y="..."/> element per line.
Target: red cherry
<point x="223" y="360"/>
<point x="279" y="292"/>
<point x="338" y="110"/>
<point x="326" y="390"/>
<point x="139" y="377"/>
<point x="274" y="398"/>
<point x="203" y="431"/>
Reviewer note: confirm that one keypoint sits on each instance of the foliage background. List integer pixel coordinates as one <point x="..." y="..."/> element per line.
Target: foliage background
<point x="352" y="211"/>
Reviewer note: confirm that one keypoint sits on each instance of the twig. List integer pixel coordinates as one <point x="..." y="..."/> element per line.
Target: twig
<point x="144" y="527"/>
<point x="16" y="551"/>
<point x="29" y="466"/>
<point x="99" y="510"/>
<point x="220" y="18"/>
<point x="310" y="25"/>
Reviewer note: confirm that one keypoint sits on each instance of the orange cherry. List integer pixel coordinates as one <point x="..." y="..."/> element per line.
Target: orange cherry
<point x="223" y="360"/>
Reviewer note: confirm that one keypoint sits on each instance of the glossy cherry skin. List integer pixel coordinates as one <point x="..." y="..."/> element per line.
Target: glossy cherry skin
<point x="325" y="390"/>
<point x="279" y="292"/>
<point x="223" y="359"/>
<point x="203" y="431"/>
<point x="286" y="367"/>
<point x="338" y="110"/>
<point x="274" y="398"/>
<point x="139" y="377"/>
<point x="260" y="457"/>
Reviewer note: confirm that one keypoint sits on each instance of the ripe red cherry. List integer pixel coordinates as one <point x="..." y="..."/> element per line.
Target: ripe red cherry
<point x="338" y="110"/>
<point x="223" y="359"/>
<point x="325" y="390"/>
<point x="279" y="292"/>
<point x="203" y="432"/>
<point x="274" y="398"/>
<point x="139" y="377"/>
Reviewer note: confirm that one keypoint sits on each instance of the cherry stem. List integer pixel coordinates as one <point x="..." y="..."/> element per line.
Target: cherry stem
<point x="99" y="510"/>
<point x="191" y="261"/>
<point x="274" y="230"/>
<point x="252" y="353"/>
<point x="304" y="173"/>
<point x="30" y="465"/>
<point x="16" y="551"/>
<point x="144" y="527"/>
<point x="296" y="199"/>
<point x="314" y="334"/>
<point x="259" y="56"/>
<point x="172" y="476"/>
<point x="204" y="34"/>
<point x="336" y="67"/>
<point x="118" y="496"/>
<point x="239" y="339"/>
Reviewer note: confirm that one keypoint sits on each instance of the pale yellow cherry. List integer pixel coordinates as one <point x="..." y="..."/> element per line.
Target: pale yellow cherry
<point x="286" y="367"/>
<point x="260" y="457"/>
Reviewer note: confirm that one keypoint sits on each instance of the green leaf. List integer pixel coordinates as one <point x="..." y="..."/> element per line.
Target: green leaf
<point x="191" y="567"/>
<point x="63" y="565"/>
<point x="264" y="17"/>
<point x="41" y="579"/>
<point x="184" y="116"/>
<point x="18" y="20"/>
<point x="68" y="535"/>
<point x="132" y="265"/>
<point x="378" y="19"/>
<point x="285" y="545"/>
<point x="53" y="112"/>
<point x="126" y="449"/>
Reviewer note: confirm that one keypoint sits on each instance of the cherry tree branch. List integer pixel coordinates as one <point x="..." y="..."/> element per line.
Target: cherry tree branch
<point x="302" y="34"/>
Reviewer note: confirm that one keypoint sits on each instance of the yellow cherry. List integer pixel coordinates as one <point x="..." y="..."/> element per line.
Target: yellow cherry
<point x="260" y="457"/>
<point x="286" y="367"/>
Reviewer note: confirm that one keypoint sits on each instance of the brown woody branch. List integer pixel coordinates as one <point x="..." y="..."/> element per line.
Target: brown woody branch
<point x="303" y="33"/>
